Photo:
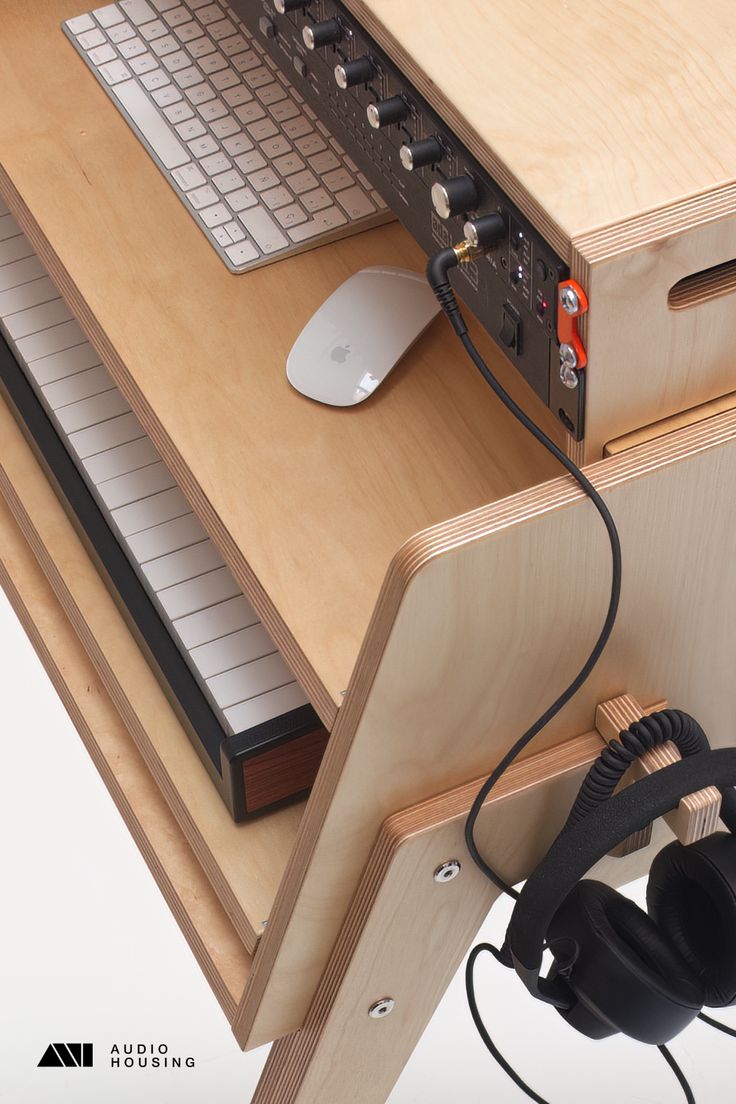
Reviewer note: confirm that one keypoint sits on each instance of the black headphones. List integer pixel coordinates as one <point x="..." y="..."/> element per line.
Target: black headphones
<point x="615" y="967"/>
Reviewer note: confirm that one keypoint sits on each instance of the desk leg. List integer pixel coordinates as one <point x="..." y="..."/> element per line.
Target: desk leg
<point x="406" y="933"/>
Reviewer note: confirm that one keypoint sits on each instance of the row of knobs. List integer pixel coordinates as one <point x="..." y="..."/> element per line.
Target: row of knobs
<point x="451" y="196"/>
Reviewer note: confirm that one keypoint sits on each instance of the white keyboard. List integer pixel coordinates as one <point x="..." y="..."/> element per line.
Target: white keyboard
<point x="261" y="176"/>
<point x="232" y="657"/>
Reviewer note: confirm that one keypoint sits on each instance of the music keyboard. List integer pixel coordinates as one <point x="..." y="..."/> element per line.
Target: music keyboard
<point x="236" y="695"/>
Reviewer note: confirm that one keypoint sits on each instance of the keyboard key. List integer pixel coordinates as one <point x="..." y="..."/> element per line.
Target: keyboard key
<point x="264" y="179"/>
<point x="263" y="128"/>
<point x="310" y="144"/>
<point x="118" y="431"/>
<point x="232" y="650"/>
<point x="263" y="230"/>
<point x="213" y="63"/>
<point x="178" y="113"/>
<point x="16" y="249"/>
<point x="236" y="96"/>
<point x="233" y="45"/>
<point x="109" y="16"/>
<point x="118" y="461"/>
<point x="158" y="79"/>
<point x="176" y="16"/>
<point x="324" y="162"/>
<point x="277" y="197"/>
<point x="215" y="216"/>
<point x="286" y="110"/>
<point x="202" y="197"/>
<point x="228" y="181"/>
<point x="223" y="28"/>
<point x="200" y="93"/>
<point x="239" y="143"/>
<point x="37" y="345"/>
<point x="246" y="714"/>
<point x="132" y="48"/>
<point x="148" y="512"/>
<point x="159" y="540"/>
<point x="137" y="11"/>
<point x="242" y="253"/>
<point x="292" y="128"/>
<point x="190" y="130"/>
<point x="249" y="680"/>
<point x="59" y="365"/>
<point x="188" y="32"/>
<point x="186" y="563"/>
<point x="225" y="128"/>
<point x="271" y="94"/>
<point x="250" y="161"/>
<point x="154" y="30"/>
<point x="90" y="39"/>
<point x="164" y="46"/>
<point x="198" y="593"/>
<point x="245" y="62"/>
<point x="303" y="182"/>
<point x="80" y="24"/>
<point x="92" y="411"/>
<point x="37" y="318"/>
<point x="225" y="79"/>
<point x="217" y="163"/>
<point x="338" y="179"/>
<point x="222" y="236"/>
<point x="215" y="109"/>
<point x="235" y="231"/>
<point x="209" y="14"/>
<point x="141" y="483"/>
<point x="321" y="223"/>
<point x="288" y="164"/>
<point x="291" y="216"/>
<point x="187" y="78"/>
<point x="203" y="146"/>
<point x="215" y="622"/>
<point x="249" y="112"/>
<point x="81" y="385"/>
<point x="189" y="176"/>
<point x="143" y="64"/>
<point x="27" y="295"/>
<point x="179" y="60"/>
<point x="156" y="132"/>
<point x="242" y="199"/>
<point x="165" y="96"/>
<point x="121" y="33"/>
<point x="273" y="147"/>
<point x="164" y="5"/>
<point x="200" y="47"/>
<point x="355" y="202"/>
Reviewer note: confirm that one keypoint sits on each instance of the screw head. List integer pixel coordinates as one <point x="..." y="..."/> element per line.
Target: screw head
<point x="570" y="300"/>
<point x="568" y="364"/>
<point x="447" y="871"/>
<point x="381" y="1008"/>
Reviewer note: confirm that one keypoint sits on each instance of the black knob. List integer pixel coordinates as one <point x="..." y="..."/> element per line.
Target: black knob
<point x="454" y="195"/>
<point x="486" y="231"/>
<point x="359" y="71"/>
<point x="425" y="151"/>
<point x="283" y="7"/>
<point x="317" y="35"/>
<point x="385" y="112"/>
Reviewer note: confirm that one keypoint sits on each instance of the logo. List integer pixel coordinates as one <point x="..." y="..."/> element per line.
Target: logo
<point x="67" y="1055"/>
<point x="340" y="353"/>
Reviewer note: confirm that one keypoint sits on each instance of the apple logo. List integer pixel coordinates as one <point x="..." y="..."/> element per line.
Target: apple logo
<point x="340" y="354"/>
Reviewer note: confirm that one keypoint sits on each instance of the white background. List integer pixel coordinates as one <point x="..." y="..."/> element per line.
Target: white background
<point x="90" y="952"/>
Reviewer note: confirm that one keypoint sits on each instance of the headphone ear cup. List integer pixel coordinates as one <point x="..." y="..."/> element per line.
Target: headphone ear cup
<point x="625" y="975"/>
<point x="691" y="895"/>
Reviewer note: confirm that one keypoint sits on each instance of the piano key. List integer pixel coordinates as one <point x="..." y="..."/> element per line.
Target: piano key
<point x="27" y="295"/>
<point x="35" y="319"/>
<point x="168" y="537"/>
<point x="197" y="594"/>
<point x="132" y="486"/>
<point x="256" y="711"/>
<point x="178" y="566"/>
<point x="120" y="460"/>
<point x="249" y="680"/>
<point x="9" y="228"/>
<point x="232" y="650"/>
<point x="3" y="208"/>
<point x="88" y="442"/>
<point x="55" y="340"/>
<point x="79" y="386"/>
<point x="148" y="512"/>
<point x="92" y="411"/>
<point x="21" y="272"/>
<point x="66" y="363"/>
<point x="15" y="249"/>
<point x="210" y="624"/>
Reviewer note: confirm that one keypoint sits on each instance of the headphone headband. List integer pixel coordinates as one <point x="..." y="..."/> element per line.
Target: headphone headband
<point x="578" y="848"/>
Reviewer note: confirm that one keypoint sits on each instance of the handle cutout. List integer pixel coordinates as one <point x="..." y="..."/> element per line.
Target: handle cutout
<point x="703" y="286"/>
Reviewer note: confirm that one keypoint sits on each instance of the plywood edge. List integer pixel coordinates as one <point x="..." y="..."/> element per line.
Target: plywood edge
<point x="200" y="916"/>
<point x="313" y="686"/>
<point x="241" y="861"/>
<point x="656" y="430"/>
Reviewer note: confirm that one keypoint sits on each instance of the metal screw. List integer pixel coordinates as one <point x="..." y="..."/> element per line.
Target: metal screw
<point x="568" y="364"/>
<point x="381" y="1008"/>
<point x="447" y="871"/>
<point x="570" y="300"/>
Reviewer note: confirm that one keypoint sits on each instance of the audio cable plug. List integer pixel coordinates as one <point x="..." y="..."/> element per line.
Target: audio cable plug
<point x="481" y="234"/>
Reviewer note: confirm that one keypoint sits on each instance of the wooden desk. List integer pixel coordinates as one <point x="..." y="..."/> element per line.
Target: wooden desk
<point x="415" y="559"/>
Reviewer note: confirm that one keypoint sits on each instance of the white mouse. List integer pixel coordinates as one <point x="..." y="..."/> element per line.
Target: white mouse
<point x="350" y="345"/>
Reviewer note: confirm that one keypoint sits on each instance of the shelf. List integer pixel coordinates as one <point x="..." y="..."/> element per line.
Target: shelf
<point x="308" y="504"/>
<point x="202" y="919"/>
<point x="244" y="863"/>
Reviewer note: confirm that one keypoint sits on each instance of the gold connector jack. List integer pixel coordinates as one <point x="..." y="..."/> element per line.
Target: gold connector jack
<point x="465" y="252"/>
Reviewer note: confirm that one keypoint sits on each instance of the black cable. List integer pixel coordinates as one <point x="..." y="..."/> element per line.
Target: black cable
<point x="437" y="275"/>
<point x="509" y="1069"/>
<point x="717" y="1024"/>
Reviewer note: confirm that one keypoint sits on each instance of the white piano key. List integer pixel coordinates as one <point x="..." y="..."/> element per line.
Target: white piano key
<point x="21" y="272"/>
<point x="27" y="295"/>
<point x="209" y="624"/>
<point x="198" y="593"/>
<point x="148" y="512"/>
<point x="15" y="249"/>
<point x="178" y="566"/>
<point x="246" y="714"/>
<point x="120" y="460"/>
<point x="38" y="318"/>
<point x="88" y="442"/>
<point x="250" y="680"/>
<point x="9" y="228"/>
<point x="92" y="411"/>
<point x="81" y="385"/>
<point x="3" y="209"/>
<point x="232" y="650"/>
<point x="135" y="485"/>
<point x="169" y="537"/>
<point x="55" y="340"/>
<point x="66" y="363"/>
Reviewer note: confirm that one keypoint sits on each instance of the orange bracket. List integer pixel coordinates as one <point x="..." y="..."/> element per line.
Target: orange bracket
<point x="572" y="302"/>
